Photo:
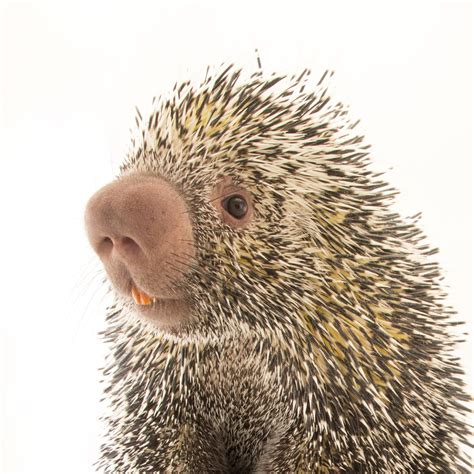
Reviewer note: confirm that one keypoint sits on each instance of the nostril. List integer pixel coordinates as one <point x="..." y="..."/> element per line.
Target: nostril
<point x="128" y="244"/>
<point x="124" y="245"/>
<point x="105" y="246"/>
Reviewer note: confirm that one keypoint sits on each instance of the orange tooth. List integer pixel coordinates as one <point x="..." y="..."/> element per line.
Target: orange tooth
<point x="140" y="297"/>
<point x="136" y="295"/>
<point x="145" y="298"/>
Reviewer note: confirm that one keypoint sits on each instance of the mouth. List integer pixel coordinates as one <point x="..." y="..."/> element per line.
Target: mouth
<point x="165" y="313"/>
<point x="141" y="298"/>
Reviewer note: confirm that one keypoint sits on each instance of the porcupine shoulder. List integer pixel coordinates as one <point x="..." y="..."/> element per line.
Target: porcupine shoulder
<point x="314" y="337"/>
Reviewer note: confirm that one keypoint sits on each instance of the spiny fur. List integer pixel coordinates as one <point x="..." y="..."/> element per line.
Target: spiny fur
<point x="320" y="340"/>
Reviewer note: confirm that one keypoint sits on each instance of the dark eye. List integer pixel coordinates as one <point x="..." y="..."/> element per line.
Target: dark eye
<point x="236" y="206"/>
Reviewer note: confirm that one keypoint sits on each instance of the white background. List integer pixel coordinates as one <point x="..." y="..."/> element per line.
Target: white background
<point x="71" y="75"/>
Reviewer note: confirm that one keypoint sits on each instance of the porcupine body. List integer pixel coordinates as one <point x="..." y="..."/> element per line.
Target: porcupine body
<point x="318" y="338"/>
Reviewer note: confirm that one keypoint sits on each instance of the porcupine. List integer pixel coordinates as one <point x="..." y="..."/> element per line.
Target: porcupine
<point x="272" y="312"/>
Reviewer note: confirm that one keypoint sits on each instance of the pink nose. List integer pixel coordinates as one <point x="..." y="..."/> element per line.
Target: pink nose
<point x="140" y="228"/>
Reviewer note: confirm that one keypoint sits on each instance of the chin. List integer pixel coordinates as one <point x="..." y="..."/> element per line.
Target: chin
<point x="170" y="315"/>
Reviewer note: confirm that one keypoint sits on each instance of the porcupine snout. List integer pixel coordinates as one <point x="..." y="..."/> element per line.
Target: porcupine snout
<point x="141" y="230"/>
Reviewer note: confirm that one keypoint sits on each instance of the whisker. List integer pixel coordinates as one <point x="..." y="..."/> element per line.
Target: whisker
<point x="93" y="296"/>
<point x="227" y="194"/>
<point x="222" y="195"/>
<point x="82" y="287"/>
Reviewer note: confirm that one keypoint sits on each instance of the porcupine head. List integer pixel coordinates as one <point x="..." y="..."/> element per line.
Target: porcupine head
<point x="271" y="312"/>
